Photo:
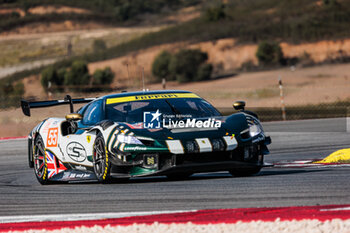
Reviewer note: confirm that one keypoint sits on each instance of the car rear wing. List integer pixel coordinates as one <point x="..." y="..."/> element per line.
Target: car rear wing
<point x="26" y="105"/>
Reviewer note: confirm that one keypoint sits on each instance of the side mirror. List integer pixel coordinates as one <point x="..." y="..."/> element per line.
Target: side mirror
<point x="239" y="105"/>
<point x="74" y="117"/>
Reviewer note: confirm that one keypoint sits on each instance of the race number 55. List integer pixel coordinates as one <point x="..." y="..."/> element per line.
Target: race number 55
<point x="52" y="137"/>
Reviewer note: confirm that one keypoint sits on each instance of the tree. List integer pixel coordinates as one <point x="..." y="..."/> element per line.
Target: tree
<point x="185" y="65"/>
<point x="51" y="75"/>
<point x="48" y="75"/>
<point x="77" y="75"/>
<point x="103" y="77"/>
<point x="160" y="66"/>
<point x="215" y="13"/>
<point x="204" y="72"/>
<point x="269" y="53"/>
<point x="60" y="76"/>
<point x="330" y="2"/>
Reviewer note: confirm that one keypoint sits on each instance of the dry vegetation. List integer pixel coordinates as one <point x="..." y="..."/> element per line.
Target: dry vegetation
<point x="313" y="85"/>
<point x="259" y="89"/>
<point x="24" y="48"/>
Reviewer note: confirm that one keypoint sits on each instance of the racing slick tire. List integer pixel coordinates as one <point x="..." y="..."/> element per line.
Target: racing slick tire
<point x="179" y="176"/>
<point x="241" y="172"/>
<point x="30" y="154"/>
<point x="39" y="159"/>
<point x="101" y="162"/>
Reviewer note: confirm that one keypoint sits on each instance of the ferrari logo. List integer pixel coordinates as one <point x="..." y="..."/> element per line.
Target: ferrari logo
<point x="88" y="138"/>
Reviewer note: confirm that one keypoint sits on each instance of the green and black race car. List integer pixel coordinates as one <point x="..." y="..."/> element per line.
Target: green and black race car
<point x="172" y="133"/>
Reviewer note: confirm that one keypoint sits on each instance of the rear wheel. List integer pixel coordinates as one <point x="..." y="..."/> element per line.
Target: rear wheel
<point x="30" y="154"/>
<point x="101" y="161"/>
<point x="39" y="159"/>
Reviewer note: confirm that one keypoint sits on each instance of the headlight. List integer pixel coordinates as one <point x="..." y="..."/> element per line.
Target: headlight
<point x="254" y="130"/>
<point x="129" y="139"/>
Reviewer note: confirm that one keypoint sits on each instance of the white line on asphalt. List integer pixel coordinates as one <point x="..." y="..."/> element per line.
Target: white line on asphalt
<point x="336" y="209"/>
<point x="77" y="217"/>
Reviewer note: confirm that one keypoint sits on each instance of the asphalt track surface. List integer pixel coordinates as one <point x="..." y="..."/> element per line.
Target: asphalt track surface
<point x="21" y="194"/>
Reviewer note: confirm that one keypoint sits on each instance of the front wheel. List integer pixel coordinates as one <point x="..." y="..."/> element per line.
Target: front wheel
<point x="39" y="159"/>
<point x="101" y="162"/>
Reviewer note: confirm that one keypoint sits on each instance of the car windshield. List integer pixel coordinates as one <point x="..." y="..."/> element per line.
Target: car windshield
<point x="132" y="112"/>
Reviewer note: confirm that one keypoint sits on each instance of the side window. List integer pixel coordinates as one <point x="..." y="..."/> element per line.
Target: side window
<point x="93" y="113"/>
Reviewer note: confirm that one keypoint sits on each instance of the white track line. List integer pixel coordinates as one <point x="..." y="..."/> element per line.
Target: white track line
<point x="77" y="217"/>
<point x="336" y="209"/>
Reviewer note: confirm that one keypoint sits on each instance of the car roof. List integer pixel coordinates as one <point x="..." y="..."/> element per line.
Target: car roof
<point x="124" y="94"/>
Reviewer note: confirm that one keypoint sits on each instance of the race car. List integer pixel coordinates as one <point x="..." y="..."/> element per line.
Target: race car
<point x="146" y="133"/>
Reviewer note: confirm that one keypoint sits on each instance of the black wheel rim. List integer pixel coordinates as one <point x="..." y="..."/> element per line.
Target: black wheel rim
<point x="39" y="158"/>
<point x="99" y="157"/>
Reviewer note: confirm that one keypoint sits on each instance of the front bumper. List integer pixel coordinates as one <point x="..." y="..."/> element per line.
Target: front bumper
<point x="249" y="154"/>
<point x="205" y="167"/>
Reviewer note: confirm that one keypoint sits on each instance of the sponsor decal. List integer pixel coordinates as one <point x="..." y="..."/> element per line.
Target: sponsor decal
<point x="150" y="161"/>
<point x="175" y="146"/>
<point x="76" y="152"/>
<point x="231" y="142"/>
<point x="54" y="166"/>
<point x="135" y="148"/>
<point x="49" y="123"/>
<point x="81" y="168"/>
<point x="150" y="97"/>
<point x="73" y="175"/>
<point x="52" y="137"/>
<point x="204" y="145"/>
<point x="54" y="123"/>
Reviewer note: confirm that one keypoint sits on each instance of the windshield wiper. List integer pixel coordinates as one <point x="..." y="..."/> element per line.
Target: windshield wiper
<point x="175" y="110"/>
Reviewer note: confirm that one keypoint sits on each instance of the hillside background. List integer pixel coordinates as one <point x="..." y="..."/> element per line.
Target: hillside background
<point x="313" y="35"/>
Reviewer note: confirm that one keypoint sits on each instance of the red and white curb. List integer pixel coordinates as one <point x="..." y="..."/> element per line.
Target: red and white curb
<point x="12" y="138"/>
<point x="322" y="214"/>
